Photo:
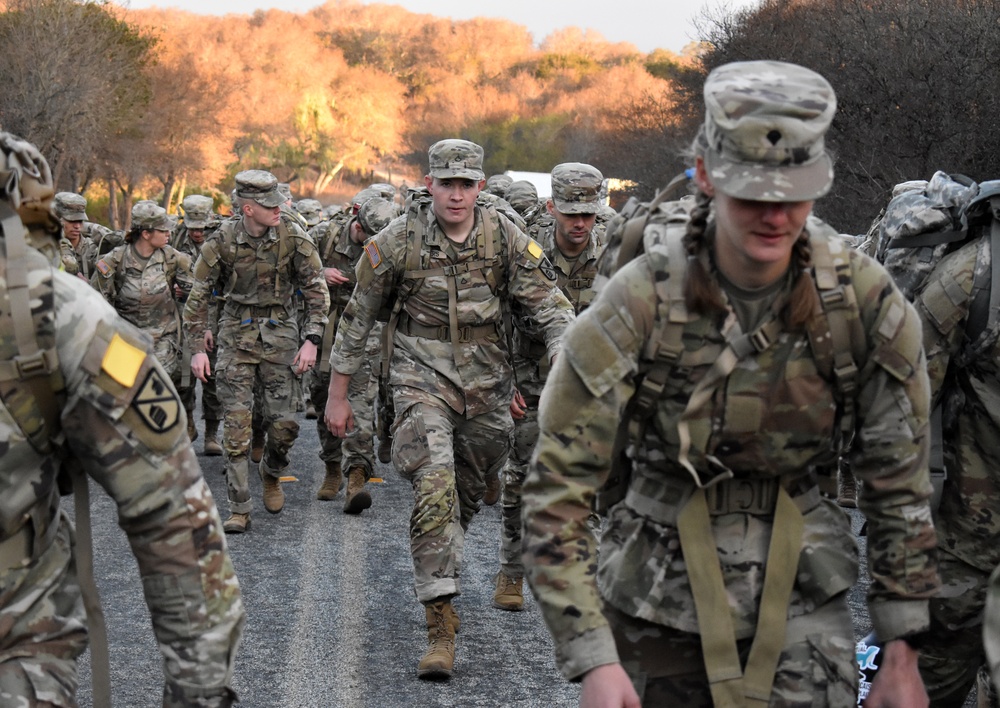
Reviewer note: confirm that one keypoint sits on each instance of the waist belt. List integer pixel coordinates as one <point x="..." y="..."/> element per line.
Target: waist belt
<point x="250" y="311"/>
<point x="734" y="496"/>
<point x="442" y="333"/>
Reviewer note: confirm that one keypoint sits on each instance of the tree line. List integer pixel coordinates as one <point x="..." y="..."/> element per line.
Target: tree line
<point x="157" y="103"/>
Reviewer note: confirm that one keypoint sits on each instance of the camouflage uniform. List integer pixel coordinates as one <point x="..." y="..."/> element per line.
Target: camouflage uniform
<point x="727" y="452"/>
<point x="449" y="373"/>
<point x="122" y="424"/>
<point x="258" y="332"/>
<point x="967" y="521"/>
<point x="198" y="216"/>
<point x="339" y="250"/>
<point x="574" y="191"/>
<point x="144" y="290"/>
<point x="78" y="259"/>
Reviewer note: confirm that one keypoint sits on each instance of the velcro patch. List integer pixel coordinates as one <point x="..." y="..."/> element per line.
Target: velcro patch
<point x="156" y="403"/>
<point x="122" y="361"/>
<point x="534" y="250"/>
<point x="374" y="256"/>
<point x="103" y="267"/>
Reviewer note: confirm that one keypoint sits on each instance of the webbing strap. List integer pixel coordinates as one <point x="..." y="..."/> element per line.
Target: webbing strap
<point x="715" y="621"/>
<point x="100" y="663"/>
<point x="634" y="228"/>
<point x="933" y="238"/>
<point x="772" y="617"/>
<point x="739" y="346"/>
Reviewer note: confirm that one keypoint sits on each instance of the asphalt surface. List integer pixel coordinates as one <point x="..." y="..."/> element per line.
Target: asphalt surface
<point x="331" y="615"/>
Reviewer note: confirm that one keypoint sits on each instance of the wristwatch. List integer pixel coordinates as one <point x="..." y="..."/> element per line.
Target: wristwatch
<point x="314" y="338"/>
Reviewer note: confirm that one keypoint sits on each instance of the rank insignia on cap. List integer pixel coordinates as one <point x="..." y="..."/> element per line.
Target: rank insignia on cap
<point x="122" y="361"/>
<point x="535" y="250"/>
<point x="156" y="403"/>
<point x="374" y="256"/>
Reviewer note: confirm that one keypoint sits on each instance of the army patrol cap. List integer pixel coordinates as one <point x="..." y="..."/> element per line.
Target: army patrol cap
<point x="456" y="159"/>
<point x="384" y="189"/>
<point x="332" y="210"/>
<point x="499" y="184"/>
<point x="764" y="128"/>
<point x="576" y="188"/>
<point x="150" y="217"/>
<point x="522" y="195"/>
<point x="374" y="214"/>
<point x="260" y="186"/>
<point x="310" y="210"/>
<point x="361" y="197"/>
<point x="70" y="206"/>
<point x="286" y="190"/>
<point x="197" y="211"/>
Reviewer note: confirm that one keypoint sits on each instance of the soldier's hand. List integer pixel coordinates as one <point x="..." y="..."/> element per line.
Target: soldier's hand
<point x="306" y="358"/>
<point x="209" y="341"/>
<point x="335" y="277"/>
<point x="338" y="416"/>
<point x="897" y="683"/>
<point x="200" y="366"/>
<point x="518" y="407"/>
<point x="608" y="686"/>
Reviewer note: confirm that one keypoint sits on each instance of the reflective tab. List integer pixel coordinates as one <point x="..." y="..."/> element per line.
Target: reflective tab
<point x="122" y="361"/>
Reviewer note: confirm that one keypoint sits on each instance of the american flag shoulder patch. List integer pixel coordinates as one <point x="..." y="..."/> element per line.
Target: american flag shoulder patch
<point x="374" y="256"/>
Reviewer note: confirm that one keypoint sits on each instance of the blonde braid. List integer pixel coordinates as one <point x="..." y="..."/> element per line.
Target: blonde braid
<point x="701" y="289"/>
<point x="804" y="299"/>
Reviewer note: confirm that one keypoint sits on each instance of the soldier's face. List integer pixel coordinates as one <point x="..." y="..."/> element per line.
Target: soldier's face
<point x="72" y="229"/>
<point x="197" y="235"/>
<point x="454" y="199"/>
<point x="158" y="238"/>
<point x="261" y="215"/>
<point x="572" y="230"/>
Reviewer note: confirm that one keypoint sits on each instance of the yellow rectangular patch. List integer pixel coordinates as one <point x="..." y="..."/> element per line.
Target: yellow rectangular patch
<point x="535" y="250"/>
<point x="122" y="361"/>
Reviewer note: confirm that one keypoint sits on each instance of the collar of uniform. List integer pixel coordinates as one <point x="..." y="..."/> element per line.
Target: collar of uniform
<point x="436" y="236"/>
<point x="243" y="236"/>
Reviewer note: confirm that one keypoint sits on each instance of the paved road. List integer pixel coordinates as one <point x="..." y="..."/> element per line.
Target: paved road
<point x="332" y="619"/>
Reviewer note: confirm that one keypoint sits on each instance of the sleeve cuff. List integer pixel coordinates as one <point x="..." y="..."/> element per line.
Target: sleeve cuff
<point x="898" y="618"/>
<point x="593" y="648"/>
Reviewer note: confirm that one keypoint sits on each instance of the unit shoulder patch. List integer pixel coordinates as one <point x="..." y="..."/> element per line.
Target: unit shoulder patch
<point x="156" y="404"/>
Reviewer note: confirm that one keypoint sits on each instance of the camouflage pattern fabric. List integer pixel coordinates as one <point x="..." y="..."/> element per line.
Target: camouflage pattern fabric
<point x="772" y="418"/>
<point x="79" y="259"/>
<point x="668" y="668"/>
<point x="126" y="429"/>
<point x="452" y="420"/>
<point x="143" y="292"/>
<point x="575" y="277"/>
<point x="967" y="521"/>
<point x="258" y="336"/>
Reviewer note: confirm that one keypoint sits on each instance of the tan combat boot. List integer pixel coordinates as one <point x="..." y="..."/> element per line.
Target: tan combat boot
<point x="442" y="625"/>
<point x="212" y="448"/>
<point x="332" y="482"/>
<point x="274" y="495"/>
<point x="509" y="593"/>
<point x="257" y="446"/>
<point x="492" y="495"/>
<point x="192" y="430"/>
<point x="357" y="498"/>
<point x="237" y="523"/>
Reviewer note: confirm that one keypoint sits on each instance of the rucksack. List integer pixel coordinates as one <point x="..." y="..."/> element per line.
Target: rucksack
<point x="923" y="223"/>
<point x="835" y="345"/>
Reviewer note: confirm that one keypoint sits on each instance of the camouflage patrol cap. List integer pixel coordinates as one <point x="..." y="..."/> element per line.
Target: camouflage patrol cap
<point x="576" y="188"/>
<point x="384" y="189"/>
<point x="374" y="214"/>
<point x="456" y="158"/>
<point x="361" y="197"/>
<point x="197" y="211"/>
<point x="310" y="210"/>
<point x="332" y="210"/>
<point x="70" y="206"/>
<point x="150" y="217"/>
<point x="260" y="186"/>
<point x="764" y="128"/>
<point x="286" y="190"/>
<point x="499" y="184"/>
<point x="522" y="195"/>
